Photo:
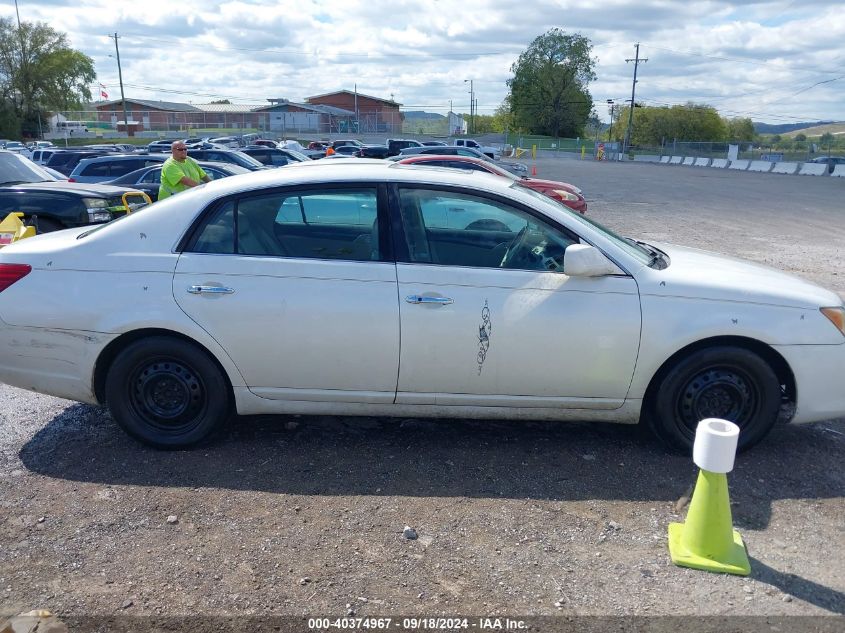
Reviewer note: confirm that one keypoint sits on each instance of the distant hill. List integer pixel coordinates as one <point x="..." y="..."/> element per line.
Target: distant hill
<point x="784" y="128"/>
<point x="417" y="115"/>
<point x="836" y="129"/>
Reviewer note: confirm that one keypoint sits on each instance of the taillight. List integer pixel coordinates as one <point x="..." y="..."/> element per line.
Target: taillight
<point x="71" y="179"/>
<point x="10" y="273"/>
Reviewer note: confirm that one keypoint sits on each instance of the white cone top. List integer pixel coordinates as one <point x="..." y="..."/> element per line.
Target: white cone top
<point x="715" y="445"/>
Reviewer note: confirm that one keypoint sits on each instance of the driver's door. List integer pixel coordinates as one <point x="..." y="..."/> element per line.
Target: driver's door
<point x="490" y="318"/>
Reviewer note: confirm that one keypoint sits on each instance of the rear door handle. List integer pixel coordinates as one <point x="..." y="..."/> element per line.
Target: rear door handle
<point x="440" y="301"/>
<point x="210" y="290"/>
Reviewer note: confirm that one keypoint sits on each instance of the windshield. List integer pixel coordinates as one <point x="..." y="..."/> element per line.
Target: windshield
<point x="15" y="169"/>
<point x="247" y="161"/>
<point x="644" y="255"/>
<point x="297" y="155"/>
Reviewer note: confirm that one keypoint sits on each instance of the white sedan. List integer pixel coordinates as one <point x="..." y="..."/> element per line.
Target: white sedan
<point x="364" y="288"/>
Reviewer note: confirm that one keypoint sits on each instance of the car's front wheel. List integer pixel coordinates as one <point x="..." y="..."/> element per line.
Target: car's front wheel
<point x="167" y="392"/>
<point x="729" y="383"/>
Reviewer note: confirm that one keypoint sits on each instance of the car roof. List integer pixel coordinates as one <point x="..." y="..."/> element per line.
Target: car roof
<point x="119" y="158"/>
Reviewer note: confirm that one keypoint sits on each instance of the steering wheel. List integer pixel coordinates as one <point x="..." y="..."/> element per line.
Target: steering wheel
<point x="514" y="247"/>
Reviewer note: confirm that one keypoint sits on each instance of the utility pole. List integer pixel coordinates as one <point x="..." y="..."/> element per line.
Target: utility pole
<point x="636" y="61"/>
<point x="357" y="116"/>
<point x="471" y="104"/>
<point x="120" y="77"/>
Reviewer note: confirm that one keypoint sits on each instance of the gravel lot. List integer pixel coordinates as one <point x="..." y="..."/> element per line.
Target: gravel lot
<point x="305" y="515"/>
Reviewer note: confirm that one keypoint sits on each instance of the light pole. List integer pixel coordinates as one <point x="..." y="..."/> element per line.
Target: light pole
<point x="471" y="103"/>
<point x="610" y="133"/>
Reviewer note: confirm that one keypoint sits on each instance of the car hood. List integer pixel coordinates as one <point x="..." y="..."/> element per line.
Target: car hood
<point x="82" y="189"/>
<point x="701" y="274"/>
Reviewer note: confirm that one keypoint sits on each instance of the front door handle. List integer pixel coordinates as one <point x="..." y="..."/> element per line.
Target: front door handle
<point x="210" y="290"/>
<point x="440" y="301"/>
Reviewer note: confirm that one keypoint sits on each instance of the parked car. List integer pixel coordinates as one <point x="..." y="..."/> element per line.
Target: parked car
<point x="148" y="179"/>
<point x="232" y="142"/>
<point x="34" y="145"/>
<point x="40" y="156"/>
<point x="26" y="187"/>
<point x="492" y="152"/>
<point x="318" y="145"/>
<point x="104" y="147"/>
<point x="344" y="142"/>
<point x="265" y="143"/>
<point x="533" y="312"/>
<point x="274" y="157"/>
<point x="17" y="147"/>
<point x="66" y="159"/>
<point x="396" y="145"/>
<point x="569" y="195"/>
<point x="373" y="151"/>
<point x="347" y="150"/>
<point x="163" y="145"/>
<point x="226" y="156"/>
<point x="435" y="143"/>
<point x="516" y="168"/>
<point x="831" y="161"/>
<point x="103" y="168"/>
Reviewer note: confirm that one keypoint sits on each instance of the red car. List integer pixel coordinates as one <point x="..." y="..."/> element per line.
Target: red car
<point x="560" y="191"/>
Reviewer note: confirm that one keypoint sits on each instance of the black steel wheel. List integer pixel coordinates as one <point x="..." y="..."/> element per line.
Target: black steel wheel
<point x="167" y="392"/>
<point x="729" y="383"/>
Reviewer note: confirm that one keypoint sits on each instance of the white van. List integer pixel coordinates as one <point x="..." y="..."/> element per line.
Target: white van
<point x="71" y="127"/>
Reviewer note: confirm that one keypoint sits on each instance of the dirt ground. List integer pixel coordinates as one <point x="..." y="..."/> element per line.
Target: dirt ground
<point x="304" y="516"/>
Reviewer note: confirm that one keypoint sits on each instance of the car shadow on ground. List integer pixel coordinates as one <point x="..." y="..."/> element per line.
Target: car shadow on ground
<point x="798" y="587"/>
<point x="327" y="455"/>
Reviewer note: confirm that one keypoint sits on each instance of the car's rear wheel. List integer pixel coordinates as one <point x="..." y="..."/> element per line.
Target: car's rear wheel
<point x="729" y="383"/>
<point x="167" y="392"/>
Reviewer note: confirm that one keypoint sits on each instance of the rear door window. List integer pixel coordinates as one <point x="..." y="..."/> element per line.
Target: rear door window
<point x="95" y="170"/>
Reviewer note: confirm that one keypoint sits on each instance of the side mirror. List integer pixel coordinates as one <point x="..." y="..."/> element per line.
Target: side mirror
<point x="583" y="260"/>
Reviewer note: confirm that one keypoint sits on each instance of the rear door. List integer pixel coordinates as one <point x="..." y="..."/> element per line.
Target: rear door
<point x="299" y="287"/>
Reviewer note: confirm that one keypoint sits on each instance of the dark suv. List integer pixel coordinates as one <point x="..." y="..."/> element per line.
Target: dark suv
<point x="64" y="161"/>
<point x="25" y="187"/>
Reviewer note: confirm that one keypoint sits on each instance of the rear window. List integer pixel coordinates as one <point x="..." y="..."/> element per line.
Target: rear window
<point x="95" y="170"/>
<point x="123" y="167"/>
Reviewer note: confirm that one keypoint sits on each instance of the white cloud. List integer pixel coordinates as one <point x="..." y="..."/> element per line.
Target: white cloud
<point x="750" y="58"/>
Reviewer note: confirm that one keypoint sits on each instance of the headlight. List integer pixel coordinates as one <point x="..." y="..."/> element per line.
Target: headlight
<point x="836" y="316"/>
<point x="565" y="195"/>
<point x="98" y="209"/>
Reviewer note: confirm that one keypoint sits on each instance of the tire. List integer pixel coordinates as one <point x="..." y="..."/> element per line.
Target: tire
<point x="730" y="383"/>
<point x="167" y="393"/>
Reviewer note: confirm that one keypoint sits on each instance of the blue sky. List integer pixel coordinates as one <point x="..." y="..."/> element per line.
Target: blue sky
<point x="774" y="61"/>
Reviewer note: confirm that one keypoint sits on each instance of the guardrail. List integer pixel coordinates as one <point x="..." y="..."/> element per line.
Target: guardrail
<point x="759" y="166"/>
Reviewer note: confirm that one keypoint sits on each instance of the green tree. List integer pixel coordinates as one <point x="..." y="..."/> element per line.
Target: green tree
<point x="39" y="72"/>
<point x="741" y="129"/>
<point x="548" y="90"/>
<point x="801" y="137"/>
<point x="503" y="118"/>
<point x="654" y="125"/>
<point x="826" y="139"/>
